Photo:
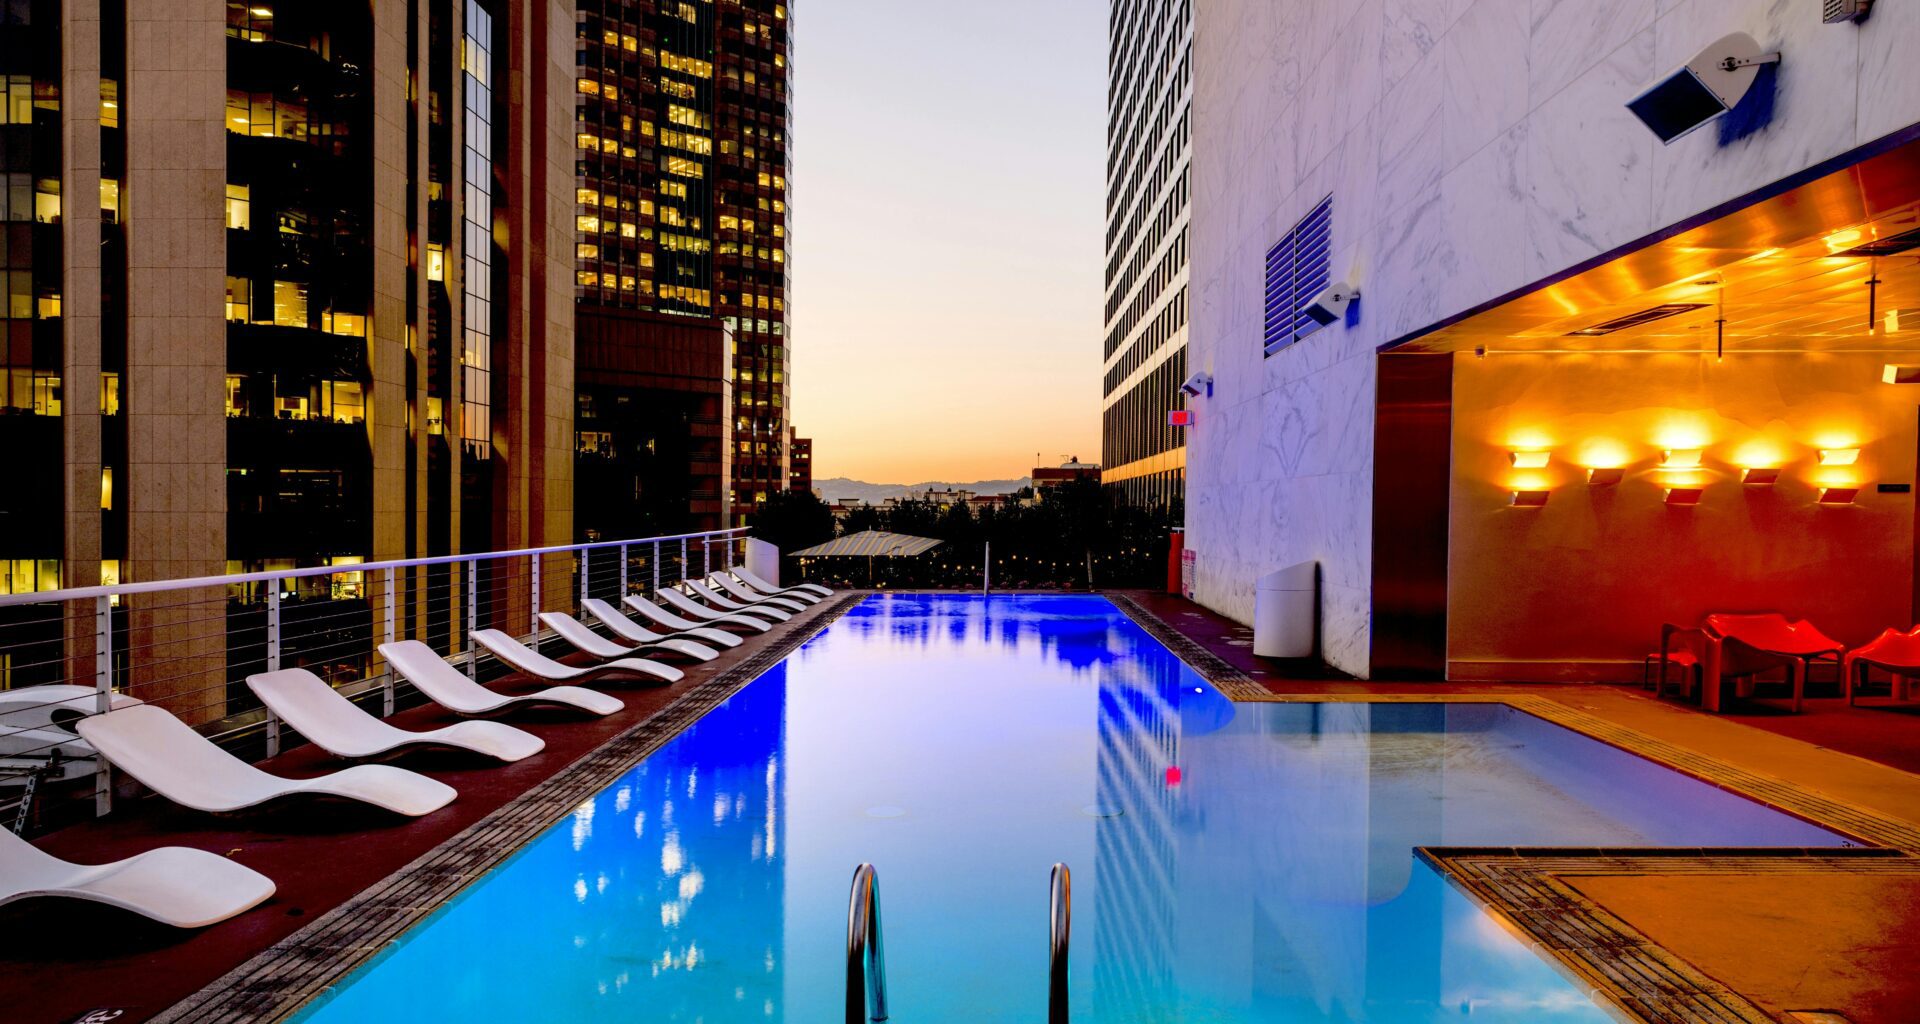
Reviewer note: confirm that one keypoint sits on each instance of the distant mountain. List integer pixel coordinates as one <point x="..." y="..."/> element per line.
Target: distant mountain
<point x="840" y="488"/>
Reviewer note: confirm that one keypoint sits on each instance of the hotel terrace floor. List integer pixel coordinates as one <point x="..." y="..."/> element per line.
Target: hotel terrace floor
<point x="1675" y="936"/>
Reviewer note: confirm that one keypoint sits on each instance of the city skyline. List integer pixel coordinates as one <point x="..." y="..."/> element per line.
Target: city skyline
<point x="929" y="219"/>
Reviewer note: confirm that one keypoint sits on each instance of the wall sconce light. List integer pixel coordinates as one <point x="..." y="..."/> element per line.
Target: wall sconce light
<point x="1680" y="458"/>
<point x="1761" y="476"/>
<point x="1684" y="495"/>
<point x="1529" y="460"/>
<point x="1839" y="456"/>
<point x="1838" y="495"/>
<point x="1894" y="373"/>
<point x="1528" y="499"/>
<point x="1603" y="475"/>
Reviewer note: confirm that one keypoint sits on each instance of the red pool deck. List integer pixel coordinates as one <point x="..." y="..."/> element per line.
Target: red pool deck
<point x="68" y="958"/>
<point x="65" y="958"/>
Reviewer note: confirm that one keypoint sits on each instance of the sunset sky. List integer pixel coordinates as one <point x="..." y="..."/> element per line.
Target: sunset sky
<point x="947" y="225"/>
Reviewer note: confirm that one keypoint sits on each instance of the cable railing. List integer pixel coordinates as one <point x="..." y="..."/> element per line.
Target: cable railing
<point x="188" y="645"/>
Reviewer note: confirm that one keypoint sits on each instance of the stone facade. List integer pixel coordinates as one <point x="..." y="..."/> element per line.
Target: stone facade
<point x="1470" y="148"/>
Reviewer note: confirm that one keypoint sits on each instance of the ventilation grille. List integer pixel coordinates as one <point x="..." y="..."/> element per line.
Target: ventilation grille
<point x="1299" y="267"/>
<point x="1645" y="316"/>
<point x="1887" y="246"/>
<point x="1836" y="11"/>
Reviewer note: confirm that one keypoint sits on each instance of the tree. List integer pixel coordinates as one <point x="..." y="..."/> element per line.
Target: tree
<point x="791" y="520"/>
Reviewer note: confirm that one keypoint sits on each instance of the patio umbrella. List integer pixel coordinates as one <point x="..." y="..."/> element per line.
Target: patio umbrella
<point x="870" y="544"/>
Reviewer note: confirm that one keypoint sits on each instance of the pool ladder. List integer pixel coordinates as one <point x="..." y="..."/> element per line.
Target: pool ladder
<point x="867" y="963"/>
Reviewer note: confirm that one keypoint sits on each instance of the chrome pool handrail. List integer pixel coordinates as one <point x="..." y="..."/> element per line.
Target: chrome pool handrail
<point x="1060" y="922"/>
<point x="866" y="962"/>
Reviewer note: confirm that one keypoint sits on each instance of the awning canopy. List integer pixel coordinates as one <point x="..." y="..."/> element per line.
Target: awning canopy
<point x="869" y="544"/>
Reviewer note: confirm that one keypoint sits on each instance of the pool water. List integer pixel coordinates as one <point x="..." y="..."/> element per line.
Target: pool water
<point x="1241" y="863"/>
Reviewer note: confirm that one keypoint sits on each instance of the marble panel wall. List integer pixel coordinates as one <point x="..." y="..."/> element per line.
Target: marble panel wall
<point x="1471" y="147"/>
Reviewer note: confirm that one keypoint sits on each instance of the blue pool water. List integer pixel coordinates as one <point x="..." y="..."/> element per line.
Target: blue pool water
<point x="1231" y="863"/>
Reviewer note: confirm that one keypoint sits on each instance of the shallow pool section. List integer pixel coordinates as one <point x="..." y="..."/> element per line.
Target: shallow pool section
<point x="1242" y="863"/>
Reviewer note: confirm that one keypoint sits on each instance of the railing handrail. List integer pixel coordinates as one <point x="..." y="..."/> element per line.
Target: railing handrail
<point x="204" y="582"/>
<point x="866" y="961"/>
<point x="1060" y="929"/>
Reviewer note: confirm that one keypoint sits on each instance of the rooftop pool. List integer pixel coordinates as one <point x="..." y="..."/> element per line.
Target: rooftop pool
<point x="1243" y="863"/>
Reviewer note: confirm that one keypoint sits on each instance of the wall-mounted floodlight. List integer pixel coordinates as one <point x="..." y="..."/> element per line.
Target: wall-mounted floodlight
<point x="1200" y="383"/>
<point x="1704" y="88"/>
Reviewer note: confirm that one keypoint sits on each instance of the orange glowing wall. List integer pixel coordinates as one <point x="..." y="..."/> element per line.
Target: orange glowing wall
<point x="1578" y="588"/>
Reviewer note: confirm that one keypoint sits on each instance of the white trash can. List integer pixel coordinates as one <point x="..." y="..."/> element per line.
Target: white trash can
<point x="1284" y="603"/>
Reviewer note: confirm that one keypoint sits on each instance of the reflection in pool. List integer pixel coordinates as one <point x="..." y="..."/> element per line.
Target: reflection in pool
<point x="1231" y="862"/>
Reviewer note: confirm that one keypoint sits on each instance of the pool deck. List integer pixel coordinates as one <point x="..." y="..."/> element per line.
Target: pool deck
<point x="1702" y="935"/>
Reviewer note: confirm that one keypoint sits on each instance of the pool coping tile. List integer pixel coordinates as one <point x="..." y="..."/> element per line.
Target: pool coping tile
<point x="288" y="975"/>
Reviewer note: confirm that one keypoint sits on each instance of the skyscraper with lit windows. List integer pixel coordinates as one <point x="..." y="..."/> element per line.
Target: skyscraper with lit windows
<point x="1149" y="93"/>
<point x="680" y="261"/>
<point x="291" y="286"/>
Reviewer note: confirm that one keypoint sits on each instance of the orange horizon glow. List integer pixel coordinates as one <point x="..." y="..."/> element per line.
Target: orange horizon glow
<point x="948" y="263"/>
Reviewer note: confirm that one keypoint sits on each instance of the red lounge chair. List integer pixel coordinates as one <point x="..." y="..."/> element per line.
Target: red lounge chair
<point x="1743" y="646"/>
<point x="1893" y="652"/>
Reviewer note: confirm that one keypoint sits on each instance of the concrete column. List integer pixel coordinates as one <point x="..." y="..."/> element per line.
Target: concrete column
<point x="174" y="395"/>
<point x="80" y="317"/>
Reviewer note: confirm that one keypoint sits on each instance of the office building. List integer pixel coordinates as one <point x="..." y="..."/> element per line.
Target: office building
<point x="681" y="216"/>
<point x="273" y="306"/>
<point x="1149" y="95"/>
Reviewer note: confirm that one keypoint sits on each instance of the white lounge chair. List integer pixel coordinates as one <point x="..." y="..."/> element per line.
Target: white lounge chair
<point x="747" y="592"/>
<point x="581" y="636"/>
<point x="173" y="885"/>
<point x="342" y="728"/>
<point x="780" y="608"/>
<point x="683" y="602"/>
<point x="763" y="586"/>
<point x="168" y="757"/>
<point x="627" y="629"/>
<point x="671" y="621"/>
<point x="727" y="586"/>
<point x="448" y="687"/>
<point x="527" y="661"/>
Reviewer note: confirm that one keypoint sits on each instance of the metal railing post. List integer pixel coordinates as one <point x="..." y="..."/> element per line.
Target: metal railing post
<point x="273" y="661"/>
<point x="986" y="570"/>
<point x="581" y="608"/>
<point x="656" y="569"/>
<point x="730" y="539"/>
<point x="393" y="599"/>
<point x="473" y="615"/>
<point x="683" y="558"/>
<point x="533" y="613"/>
<point x="103" y="689"/>
<point x="706" y="557"/>
<point x="623" y="574"/>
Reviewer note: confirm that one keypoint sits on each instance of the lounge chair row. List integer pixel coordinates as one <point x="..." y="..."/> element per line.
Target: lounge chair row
<point x="191" y="888"/>
<point x="1743" y="645"/>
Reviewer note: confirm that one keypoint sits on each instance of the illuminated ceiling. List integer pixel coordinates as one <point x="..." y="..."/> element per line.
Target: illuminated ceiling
<point x="1786" y="274"/>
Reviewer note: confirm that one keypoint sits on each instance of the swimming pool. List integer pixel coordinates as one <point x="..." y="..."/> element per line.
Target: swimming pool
<point x="1241" y="863"/>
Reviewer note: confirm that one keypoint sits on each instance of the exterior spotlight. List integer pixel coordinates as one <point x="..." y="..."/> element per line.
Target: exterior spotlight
<point x="1684" y="495"/>
<point x="1602" y="475"/>
<point x="1704" y="88"/>
<point x="1528" y="499"/>
<point x="1680" y="458"/>
<point x="1761" y="476"/>
<point x="1839" y="456"/>
<point x="1529" y="460"/>
<point x="1838" y="495"/>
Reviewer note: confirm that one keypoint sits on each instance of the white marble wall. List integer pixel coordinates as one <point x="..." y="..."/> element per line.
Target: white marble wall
<point x="1471" y="147"/>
